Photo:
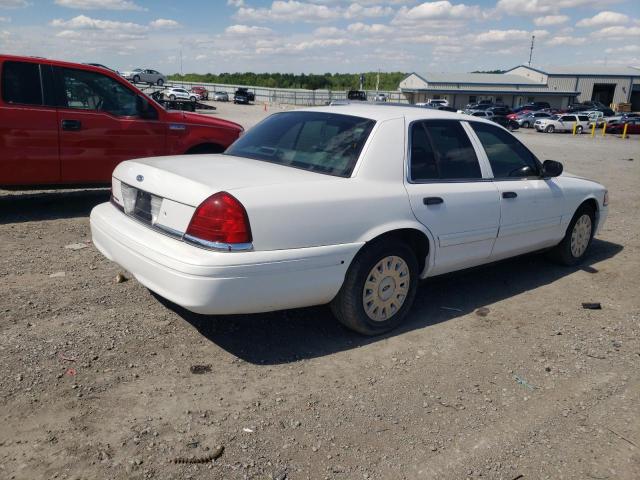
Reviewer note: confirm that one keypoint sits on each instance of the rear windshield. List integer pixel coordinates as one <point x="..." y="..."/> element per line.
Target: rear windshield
<point x="320" y="142"/>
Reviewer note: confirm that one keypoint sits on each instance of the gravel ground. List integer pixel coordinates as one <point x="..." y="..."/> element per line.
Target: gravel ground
<point x="103" y="380"/>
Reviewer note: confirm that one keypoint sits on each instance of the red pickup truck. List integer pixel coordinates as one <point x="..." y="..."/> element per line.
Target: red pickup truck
<point x="66" y="123"/>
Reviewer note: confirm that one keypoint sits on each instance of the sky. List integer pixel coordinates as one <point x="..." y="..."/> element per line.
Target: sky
<point x="318" y="36"/>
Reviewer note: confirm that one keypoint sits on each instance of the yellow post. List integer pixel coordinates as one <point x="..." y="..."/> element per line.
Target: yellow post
<point x="624" y="130"/>
<point x="593" y="130"/>
<point x="604" y="129"/>
<point x="575" y="125"/>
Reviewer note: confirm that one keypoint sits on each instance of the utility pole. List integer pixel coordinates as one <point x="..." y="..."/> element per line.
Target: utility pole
<point x="533" y="38"/>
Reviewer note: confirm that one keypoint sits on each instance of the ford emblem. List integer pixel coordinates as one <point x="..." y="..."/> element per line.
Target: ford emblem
<point x="139" y="178"/>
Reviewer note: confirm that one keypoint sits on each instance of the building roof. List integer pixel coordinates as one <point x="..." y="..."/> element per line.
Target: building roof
<point x="476" y="78"/>
<point x="576" y="70"/>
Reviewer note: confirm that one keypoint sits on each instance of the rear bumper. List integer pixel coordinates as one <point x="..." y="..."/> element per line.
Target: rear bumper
<point x="219" y="283"/>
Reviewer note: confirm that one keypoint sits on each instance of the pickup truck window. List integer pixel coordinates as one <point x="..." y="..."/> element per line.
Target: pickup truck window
<point x="321" y="142"/>
<point x="441" y="150"/>
<point x="85" y="90"/>
<point x="21" y="83"/>
<point x="508" y="157"/>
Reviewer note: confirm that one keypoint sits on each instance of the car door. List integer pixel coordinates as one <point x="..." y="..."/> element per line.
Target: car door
<point x="530" y="206"/>
<point x="450" y="195"/>
<point x="566" y="122"/>
<point x="101" y="124"/>
<point x="28" y="125"/>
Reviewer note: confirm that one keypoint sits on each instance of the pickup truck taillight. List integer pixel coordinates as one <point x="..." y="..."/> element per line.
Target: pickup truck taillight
<point x="220" y="219"/>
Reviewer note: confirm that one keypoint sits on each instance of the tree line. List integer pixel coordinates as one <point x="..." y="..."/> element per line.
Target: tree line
<point x="326" y="81"/>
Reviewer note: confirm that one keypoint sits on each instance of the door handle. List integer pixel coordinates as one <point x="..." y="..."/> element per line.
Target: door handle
<point x="432" y="200"/>
<point x="71" y="125"/>
<point x="509" y="194"/>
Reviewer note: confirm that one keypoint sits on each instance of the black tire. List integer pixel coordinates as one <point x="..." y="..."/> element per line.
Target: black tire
<point x="525" y="125"/>
<point x="550" y="129"/>
<point x="563" y="253"/>
<point x="579" y="130"/>
<point x="348" y="305"/>
<point x="160" y="82"/>
<point x="136" y="79"/>
<point x="193" y="99"/>
<point x="172" y="97"/>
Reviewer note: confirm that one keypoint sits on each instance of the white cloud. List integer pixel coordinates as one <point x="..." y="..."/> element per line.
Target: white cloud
<point x="566" y="40"/>
<point x="603" y="18"/>
<point x="246" y="30"/>
<point x="164" y="23"/>
<point x="625" y="49"/>
<point x="99" y="4"/>
<point x="296" y="11"/>
<point x="236" y="3"/>
<point x="498" y="36"/>
<point x="13" y="4"/>
<point x="356" y="10"/>
<point x="5" y="20"/>
<point x="442" y="10"/>
<point x="87" y="23"/>
<point x="617" y="31"/>
<point x="529" y="7"/>
<point x="549" y="20"/>
<point x="326" y="32"/>
<point x="374" y="29"/>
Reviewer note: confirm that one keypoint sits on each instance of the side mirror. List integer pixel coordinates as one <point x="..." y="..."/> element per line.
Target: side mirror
<point x="146" y="110"/>
<point x="551" y="168"/>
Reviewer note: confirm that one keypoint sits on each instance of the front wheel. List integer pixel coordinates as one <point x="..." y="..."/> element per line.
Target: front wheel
<point x="573" y="247"/>
<point x="193" y="99"/>
<point x="136" y="79"/>
<point x="525" y="125"/>
<point x="379" y="288"/>
<point x="579" y="129"/>
<point x="172" y="97"/>
<point x="160" y="82"/>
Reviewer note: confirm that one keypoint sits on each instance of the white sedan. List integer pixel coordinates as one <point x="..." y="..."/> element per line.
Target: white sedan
<point x="349" y="205"/>
<point x="177" y="93"/>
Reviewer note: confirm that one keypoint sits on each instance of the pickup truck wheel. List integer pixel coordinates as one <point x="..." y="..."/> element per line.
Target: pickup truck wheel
<point x="550" y="129"/>
<point x="136" y="79"/>
<point x="379" y="288"/>
<point x="160" y="82"/>
<point x="573" y="247"/>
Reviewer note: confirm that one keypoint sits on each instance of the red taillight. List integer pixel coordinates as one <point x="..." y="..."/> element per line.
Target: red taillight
<point x="221" y="218"/>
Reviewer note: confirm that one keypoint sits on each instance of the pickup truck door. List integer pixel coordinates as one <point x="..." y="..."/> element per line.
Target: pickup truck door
<point x="101" y="125"/>
<point x="28" y="125"/>
<point x="530" y="206"/>
<point x="450" y="194"/>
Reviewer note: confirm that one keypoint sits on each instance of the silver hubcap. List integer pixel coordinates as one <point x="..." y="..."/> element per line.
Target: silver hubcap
<point x="386" y="288"/>
<point x="581" y="235"/>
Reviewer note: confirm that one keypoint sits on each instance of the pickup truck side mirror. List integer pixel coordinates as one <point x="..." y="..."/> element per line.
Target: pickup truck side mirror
<point x="551" y="168"/>
<point x="146" y="110"/>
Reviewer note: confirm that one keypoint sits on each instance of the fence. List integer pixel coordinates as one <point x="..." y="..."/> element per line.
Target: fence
<point x="288" y="96"/>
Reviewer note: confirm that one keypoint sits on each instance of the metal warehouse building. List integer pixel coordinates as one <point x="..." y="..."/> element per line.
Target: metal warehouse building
<point x="560" y="86"/>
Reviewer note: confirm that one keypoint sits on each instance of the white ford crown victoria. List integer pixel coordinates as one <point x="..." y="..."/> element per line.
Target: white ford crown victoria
<point x="349" y="205"/>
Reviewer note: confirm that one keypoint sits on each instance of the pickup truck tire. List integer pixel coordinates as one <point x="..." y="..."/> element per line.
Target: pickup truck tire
<point x="160" y="82"/>
<point x="384" y="271"/>
<point x="577" y="240"/>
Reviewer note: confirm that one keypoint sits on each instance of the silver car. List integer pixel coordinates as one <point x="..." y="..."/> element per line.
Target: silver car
<point x="221" y="96"/>
<point x="528" y="119"/>
<point x="152" y="77"/>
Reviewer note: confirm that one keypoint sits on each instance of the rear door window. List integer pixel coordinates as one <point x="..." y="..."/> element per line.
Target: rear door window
<point x="508" y="157"/>
<point x="441" y="150"/>
<point x="583" y="118"/>
<point x="21" y="83"/>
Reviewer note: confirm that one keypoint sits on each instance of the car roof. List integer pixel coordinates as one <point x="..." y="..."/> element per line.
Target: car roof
<point x="381" y="112"/>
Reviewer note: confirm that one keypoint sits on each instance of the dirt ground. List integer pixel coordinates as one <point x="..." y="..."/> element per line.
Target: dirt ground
<point x="96" y="379"/>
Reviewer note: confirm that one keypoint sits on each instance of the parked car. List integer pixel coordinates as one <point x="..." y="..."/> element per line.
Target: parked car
<point x="77" y="128"/>
<point x="479" y="106"/>
<point x="446" y="109"/>
<point x="633" y="127"/>
<point x="528" y="119"/>
<point x="201" y="92"/>
<point x="536" y="106"/>
<point x="499" y="110"/>
<point x="562" y="123"/>
<point x="621" y="118"/>
<point x="381" y="97"/>
<point x="507" y="123"/>
<point x="481" y="113"/>
<point x="357" y="95"/>
<point x="221" y="96"/>
<point x="152" y="77"/>
<point x="243" y="96"/>
<point x="178" y="93"/>
<point x="269" y="224"/>
<point x="438" y="102"/>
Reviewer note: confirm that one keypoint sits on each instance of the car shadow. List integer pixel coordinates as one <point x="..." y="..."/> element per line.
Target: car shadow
<point x="292" y="335"/>
<point x="50" y="205"/>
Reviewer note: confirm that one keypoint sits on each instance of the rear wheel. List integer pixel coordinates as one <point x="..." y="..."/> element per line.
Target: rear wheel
<point x="136" y="79"/>
<point x="193" y="99"/>
<point x="579" y="129"/>
<point x="525" y="124"/>
<point x="550" y="129"/>
<point x="573" y="247"/>
<point x="172" y="97"/>
<point x="379" y="288"/>
<point x="160" y="82"/>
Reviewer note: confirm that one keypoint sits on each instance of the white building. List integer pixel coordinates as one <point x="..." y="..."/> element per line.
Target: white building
<point x="560" y="86"/>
